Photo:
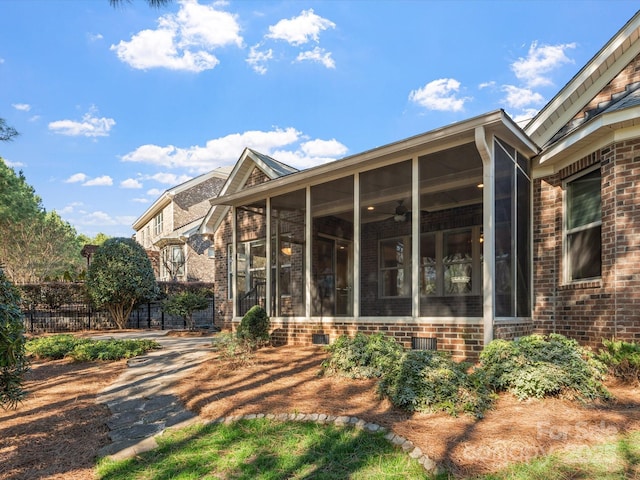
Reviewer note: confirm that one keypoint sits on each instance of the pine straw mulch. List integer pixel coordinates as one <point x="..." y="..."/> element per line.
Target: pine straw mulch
<point x="57" y="431"/>
<point x="285" y="380"/>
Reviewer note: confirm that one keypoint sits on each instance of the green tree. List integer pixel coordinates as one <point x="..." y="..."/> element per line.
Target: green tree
<point x="13" y="361"/>
<point x="120" y="276"/>
<point x="7" y="133"/>
<point x="184" y="304"/>
<point x="36" y="245"/>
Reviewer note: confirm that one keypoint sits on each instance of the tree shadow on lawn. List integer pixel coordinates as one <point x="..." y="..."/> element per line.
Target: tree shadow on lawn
<point x="259" y="448"/>
<point x="57" y="429"/>
<point x="285" y="380"/>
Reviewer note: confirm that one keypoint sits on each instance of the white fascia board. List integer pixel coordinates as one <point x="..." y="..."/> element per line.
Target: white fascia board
<point x="613" y="57"/>
<point x="155" y="208"/>
<point x="602" y="125"/>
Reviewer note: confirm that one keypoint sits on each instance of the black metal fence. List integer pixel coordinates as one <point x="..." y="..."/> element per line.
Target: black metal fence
<point x="60" y="308"/>
<point x="81" y="316"/>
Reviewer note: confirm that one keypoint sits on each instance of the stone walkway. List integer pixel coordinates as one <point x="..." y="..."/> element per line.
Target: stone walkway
<point x="140" y="401"/>
<point x="142" y="406"/>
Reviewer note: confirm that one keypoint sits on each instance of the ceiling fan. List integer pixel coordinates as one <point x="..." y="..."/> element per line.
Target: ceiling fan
<point x="400" y="213"/>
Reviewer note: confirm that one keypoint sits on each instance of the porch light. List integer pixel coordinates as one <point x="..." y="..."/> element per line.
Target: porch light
<point x="480" y="185"/>
<point x="371" y="207"/>
<point x="286" y="251"/>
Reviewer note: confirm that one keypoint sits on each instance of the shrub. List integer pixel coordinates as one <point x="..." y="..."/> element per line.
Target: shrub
<point x="622" y="359"/>
<point x="538" y="366"/>
<point x="121" y="275"/>
<point x="84" y="350"/>
<point x="254" y="327"/>
<point x="232" y="348"/>
<point x="13" y="361"/>
<point x="53" y="347"/>
<point x="427" y="381"/>
<point x="183" y="305"/>
<point x="363" y="356"/>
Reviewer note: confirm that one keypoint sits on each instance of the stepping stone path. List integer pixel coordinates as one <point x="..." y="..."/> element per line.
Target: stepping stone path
<point x="142" y="407"/>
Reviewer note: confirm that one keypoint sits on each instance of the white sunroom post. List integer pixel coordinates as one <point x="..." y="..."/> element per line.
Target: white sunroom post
<point x="356" y="246"/>
<point x="488" y="227"/>
<point x="234" y="263"/>
<point x="268" y="306"/>
<point x="307" y="253"/>
<point x="415" y="238"/>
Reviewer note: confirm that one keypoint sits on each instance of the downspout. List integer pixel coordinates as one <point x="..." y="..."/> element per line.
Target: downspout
<point x="488" y="224"/>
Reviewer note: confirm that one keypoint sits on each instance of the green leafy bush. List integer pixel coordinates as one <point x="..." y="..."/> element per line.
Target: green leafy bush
<point x="13" y="361"/>
<point x="622" y="359"/>
<point x="538" y="366"/>
<point x="254" y="327"/>
<point x="428" y="381"/>
<point x="183" y="305"/>
<point x="363" y="356"/>
<point x="84" y="350"/>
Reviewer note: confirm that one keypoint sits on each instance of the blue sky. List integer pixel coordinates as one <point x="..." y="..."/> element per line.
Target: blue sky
<point x="115" y="105"/>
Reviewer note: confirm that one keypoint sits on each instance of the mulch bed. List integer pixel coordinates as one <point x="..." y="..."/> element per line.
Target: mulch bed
<point x="57" y="431"/>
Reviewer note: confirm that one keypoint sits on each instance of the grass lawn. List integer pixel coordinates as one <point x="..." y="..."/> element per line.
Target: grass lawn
<point x="267" y="449"/>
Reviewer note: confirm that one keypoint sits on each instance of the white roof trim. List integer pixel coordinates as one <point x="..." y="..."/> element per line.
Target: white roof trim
<point x="587" y="83"/>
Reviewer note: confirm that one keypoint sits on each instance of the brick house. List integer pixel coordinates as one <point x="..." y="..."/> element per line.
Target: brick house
<point x="168" y="229"/>
<point x="477" y="230"/>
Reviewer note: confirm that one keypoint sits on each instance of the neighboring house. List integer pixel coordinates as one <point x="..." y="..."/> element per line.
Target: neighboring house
<point x="168" y="230"/>
<point x="449" y="239"/>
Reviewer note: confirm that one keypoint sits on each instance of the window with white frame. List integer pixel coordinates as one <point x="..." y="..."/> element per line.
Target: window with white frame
<point x="173" y="262"/>
<point x="395" y="267"/>
<point x="157" y="224"/>
<point x="583" y="226"/>
<point x="451" y="262"/>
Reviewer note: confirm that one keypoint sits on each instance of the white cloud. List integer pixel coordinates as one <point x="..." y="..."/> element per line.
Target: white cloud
<point x="521" y="97"/>
<point x="301" y="29"/>
<point x="487" y="85"/>
<point x="299" y="150"/>
<point x="76" y="178"/>
<point x="317" y="55"/>
<point x="103" y="181"/>
<point x="70" y="208"/>
<point x="89" y="126"/>
<point x="439" y="95"/>
<point x="141" y="200"/>
<point x="523" y="117"/>
<point x="540" y="60"/>
<point x="182" y="41"/>
<point x="13" y="164"/>
<point x="94" y="37"/>
<point x="154" y="192"/>
<point x="258" y="59"/>
<point x="130" y="183"/>
<point x="170" y="178"/>
<point x="34" y="118"/>
<point x="323" y="148"/>
<point x="23" y="107"/>
<point x="97" y="218"/>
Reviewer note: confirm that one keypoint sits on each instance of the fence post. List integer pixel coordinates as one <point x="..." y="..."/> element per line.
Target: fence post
<point x="162" y="319"/>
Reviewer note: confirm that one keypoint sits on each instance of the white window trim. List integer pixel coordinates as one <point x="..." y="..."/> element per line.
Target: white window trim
<point x="566" y="270"/>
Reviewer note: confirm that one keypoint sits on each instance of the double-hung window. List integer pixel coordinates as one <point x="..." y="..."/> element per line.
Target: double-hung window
<point x="583" y="226"/>
<point x="157" y="224"/>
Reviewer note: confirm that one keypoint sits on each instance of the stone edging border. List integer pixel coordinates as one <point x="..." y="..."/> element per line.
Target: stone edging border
<point x="406" y="445"/>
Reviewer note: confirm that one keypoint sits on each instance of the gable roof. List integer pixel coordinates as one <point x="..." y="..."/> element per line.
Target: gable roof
<point x="586" y="84"/>
<point x="167" y="196"/>
<point x="237" y="179"/>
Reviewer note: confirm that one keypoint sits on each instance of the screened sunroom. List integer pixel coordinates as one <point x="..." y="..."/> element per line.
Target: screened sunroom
<point x="432" y="229"/>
